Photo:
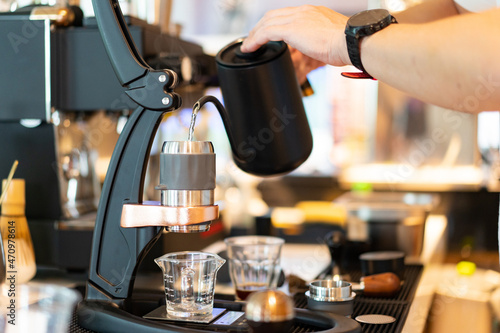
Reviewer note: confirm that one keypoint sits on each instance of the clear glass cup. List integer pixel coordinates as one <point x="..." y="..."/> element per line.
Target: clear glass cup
<point x="254" y="263"/>
<point x="41" y="308"/>
<point x="189" y="279"/>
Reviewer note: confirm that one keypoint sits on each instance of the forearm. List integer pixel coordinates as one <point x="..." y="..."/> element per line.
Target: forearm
<point x="428" y="11"/>
<point x="453" y="62"/>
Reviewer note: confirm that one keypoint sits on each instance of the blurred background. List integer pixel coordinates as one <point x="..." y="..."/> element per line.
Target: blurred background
<point x="387" y="171"/>
<point x="367" y="136"/>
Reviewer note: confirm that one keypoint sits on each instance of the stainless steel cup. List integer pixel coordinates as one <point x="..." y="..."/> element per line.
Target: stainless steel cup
<point x="331" y="296"/>
<point x="187" y="178"/>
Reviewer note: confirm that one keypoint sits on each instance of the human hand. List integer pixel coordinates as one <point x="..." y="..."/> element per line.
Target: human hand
<point x="315" y="31"/>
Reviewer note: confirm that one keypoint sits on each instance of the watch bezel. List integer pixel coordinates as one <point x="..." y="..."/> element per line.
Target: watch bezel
<point x="364" y="24"/>
<point x="371" y="26"/>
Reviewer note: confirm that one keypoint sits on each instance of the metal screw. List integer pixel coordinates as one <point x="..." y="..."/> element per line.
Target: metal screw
<point x="162" y="78"/>
<point x="165" y="100"/>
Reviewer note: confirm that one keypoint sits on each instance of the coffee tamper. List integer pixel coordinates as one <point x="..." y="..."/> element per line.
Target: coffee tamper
<point x="269" y="311"/>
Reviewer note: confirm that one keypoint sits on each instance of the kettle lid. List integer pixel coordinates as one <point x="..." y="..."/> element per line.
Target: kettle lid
<point x="232" y="56"/>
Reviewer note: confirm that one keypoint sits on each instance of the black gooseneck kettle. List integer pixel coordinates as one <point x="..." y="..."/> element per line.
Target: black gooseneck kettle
<point x="265" y="118"/>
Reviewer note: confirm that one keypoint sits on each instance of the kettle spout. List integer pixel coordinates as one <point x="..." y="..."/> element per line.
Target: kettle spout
<point x="225" y="120"/>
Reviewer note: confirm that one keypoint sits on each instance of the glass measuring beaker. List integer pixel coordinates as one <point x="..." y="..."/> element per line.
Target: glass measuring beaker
<point x="189" y="279"/>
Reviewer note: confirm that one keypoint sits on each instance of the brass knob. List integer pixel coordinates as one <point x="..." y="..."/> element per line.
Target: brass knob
<point x="269" y="306"/>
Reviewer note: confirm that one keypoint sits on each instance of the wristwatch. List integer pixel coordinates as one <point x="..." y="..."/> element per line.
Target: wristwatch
<point x="364" y="24"/>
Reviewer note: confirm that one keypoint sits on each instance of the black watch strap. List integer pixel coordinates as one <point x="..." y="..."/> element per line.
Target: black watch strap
<point x="353" y="46"/>
<point x="354" y="53"/>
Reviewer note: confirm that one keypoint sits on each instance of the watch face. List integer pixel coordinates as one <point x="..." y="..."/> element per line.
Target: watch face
<point x="368" y="17"/>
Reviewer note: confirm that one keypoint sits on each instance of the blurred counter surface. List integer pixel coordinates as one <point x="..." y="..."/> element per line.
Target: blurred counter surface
<point x="308" y="260"/>
<point x="442" y="249"/>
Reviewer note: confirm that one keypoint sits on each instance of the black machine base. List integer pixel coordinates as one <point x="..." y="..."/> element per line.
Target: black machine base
<point x="100" y="316"/>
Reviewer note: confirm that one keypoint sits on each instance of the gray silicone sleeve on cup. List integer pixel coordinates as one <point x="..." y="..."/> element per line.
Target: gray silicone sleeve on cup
<point x="188" y="171"/>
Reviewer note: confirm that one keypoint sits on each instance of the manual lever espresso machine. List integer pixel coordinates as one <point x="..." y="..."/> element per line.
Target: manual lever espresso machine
<point x="265" y="140"/>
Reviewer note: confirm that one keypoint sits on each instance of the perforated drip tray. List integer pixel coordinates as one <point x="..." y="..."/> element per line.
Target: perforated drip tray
<point x="396" y="307"/>
<point x="308" y="321"/>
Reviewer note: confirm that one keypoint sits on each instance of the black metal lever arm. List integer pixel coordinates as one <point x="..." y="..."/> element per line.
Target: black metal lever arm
<point x="149" y="88"/>
<point x="127" y="62"/>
